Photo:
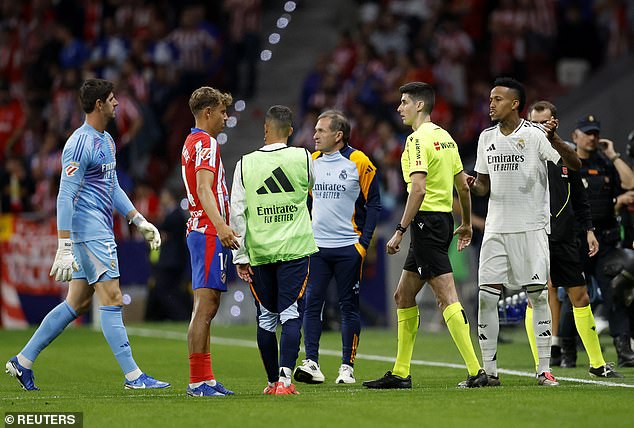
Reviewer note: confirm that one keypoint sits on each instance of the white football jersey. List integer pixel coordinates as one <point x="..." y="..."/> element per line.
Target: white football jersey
<point x="519" y="200"/>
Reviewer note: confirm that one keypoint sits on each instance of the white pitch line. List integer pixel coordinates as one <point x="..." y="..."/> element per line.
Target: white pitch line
<point x="147" y="332"/>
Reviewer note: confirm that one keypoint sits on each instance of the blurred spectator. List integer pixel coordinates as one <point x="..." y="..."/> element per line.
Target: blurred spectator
<point x="17" y="186"/>
<point x="452" y="48"/>
<point x="168" y="296"/>
<point x="12" y="120"/>
<point x="244" y="46"/>
<point x="109" y="53"/>
<point x="74" y="52"/>
<point x="198" y="50"/>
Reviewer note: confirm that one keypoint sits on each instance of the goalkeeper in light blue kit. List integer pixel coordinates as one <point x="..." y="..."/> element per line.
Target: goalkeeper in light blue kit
<point x="87" y="253"/>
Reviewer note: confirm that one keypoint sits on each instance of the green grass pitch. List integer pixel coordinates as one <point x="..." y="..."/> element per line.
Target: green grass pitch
<point x="78" y="373"/>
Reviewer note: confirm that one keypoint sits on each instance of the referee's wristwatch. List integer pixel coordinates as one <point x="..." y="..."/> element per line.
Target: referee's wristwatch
<point x="401" y="228"/>
<point x="590" y="229"/>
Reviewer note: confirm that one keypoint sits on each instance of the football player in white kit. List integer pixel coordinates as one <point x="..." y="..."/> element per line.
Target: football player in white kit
<point x="511" y="165"/>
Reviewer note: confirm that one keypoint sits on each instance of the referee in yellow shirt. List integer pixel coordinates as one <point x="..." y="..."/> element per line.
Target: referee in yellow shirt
<point x="431" y="168"/>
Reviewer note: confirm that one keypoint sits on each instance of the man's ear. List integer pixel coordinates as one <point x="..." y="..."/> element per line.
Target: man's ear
<point x="515" y="105"/>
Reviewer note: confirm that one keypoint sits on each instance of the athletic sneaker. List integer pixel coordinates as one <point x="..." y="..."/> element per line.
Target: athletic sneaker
<point x="280" y="389"/>
<point x="309" y="372"/>
<point x="204" y="390"/>
<point x="476" y="381"/>
<point x="145" y="382"/>
<point x="270" y="389"/>
<point x="606" y="371"/>
<point x="493" y="380"/>
<point x="346" y="374"/>
<point x="547" y="379"/>
<point x="23" y="375"/>
<point x="390" y="381"/>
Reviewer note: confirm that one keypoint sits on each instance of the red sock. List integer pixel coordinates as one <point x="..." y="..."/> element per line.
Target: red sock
<point x="200" y="368"/>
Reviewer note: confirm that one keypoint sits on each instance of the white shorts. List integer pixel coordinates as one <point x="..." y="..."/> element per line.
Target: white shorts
<point x="514" y="259"/>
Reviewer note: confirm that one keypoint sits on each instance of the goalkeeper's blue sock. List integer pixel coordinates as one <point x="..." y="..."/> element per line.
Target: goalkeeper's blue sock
<point x="52" y="325"/>
<point x="117" y="337"/>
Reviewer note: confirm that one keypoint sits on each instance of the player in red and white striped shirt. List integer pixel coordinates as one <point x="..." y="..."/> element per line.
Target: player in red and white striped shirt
<point x="209" y="237"/>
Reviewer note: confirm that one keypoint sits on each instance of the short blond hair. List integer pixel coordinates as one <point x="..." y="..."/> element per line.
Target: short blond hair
<point x="207" y="96"/>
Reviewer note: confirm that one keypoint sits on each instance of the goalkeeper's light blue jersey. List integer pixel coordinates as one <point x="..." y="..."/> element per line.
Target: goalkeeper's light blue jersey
<point x="89" y="189"/>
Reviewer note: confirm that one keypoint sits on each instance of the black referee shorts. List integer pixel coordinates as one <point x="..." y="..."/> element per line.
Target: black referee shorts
<point x="565" y="267"/>
<point x="431" y="234"/>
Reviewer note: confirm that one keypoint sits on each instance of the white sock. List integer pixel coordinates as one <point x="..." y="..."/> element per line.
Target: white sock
<point x="195" y="385"/>
<point x="285" y="376"/>
<point x="25" y="362"/>
<point x="556" y="341"/>
<point x="211" y="382"/>
<point x="134" y="374"/>
<point x="542" y="324"/>
<point x="489" y="327"/>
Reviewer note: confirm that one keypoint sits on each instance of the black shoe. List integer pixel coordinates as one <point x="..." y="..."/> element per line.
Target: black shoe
<point x="389" y="381"/>
<point x="493" y="380"/>
<point x="480" y="379"/>
<point x="606" y="371"/>
<point x="624" y="351"/>
<point x="568" y="352"/>
<point x="555" y="356"/>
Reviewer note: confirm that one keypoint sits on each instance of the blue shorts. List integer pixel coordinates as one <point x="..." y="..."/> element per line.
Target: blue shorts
<point x="279" y="286"/>
<point x="97" y="261"/>
<point x="209" y="261"/>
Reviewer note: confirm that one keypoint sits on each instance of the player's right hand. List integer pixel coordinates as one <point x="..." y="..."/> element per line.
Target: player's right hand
<point x="470" y="180"/>
<point x="228" y="237"/>
<point x="245" y="272"/>
<point x="64" y="263"/>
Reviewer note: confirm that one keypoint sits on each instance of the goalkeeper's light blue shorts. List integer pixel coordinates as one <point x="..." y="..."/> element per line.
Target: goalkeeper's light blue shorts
<point x="97" y="261"/>
<point x="209" y="261"/>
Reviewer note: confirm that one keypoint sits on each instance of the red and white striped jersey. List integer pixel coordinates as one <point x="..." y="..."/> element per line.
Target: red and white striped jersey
<point x="201" y="151"/>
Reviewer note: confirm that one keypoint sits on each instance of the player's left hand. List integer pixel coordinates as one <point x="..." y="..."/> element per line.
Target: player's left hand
<point x="464" y="232"/>
<point x="593" y="244"/>
<point x="148" y="230"/>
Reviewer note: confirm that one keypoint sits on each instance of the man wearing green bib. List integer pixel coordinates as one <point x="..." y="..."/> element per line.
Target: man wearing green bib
<point x="269" y="213"/>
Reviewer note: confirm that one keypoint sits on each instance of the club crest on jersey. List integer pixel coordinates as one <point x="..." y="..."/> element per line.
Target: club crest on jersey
<point x="71" y="169"/>
<point x="223" y="277"/>
<point x="343" y="175"/>
<point x="521" y="143"/>
<point x="203" y="154"/>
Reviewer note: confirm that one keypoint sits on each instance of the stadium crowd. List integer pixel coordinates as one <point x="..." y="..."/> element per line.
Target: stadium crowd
<point x="157" y="52"/>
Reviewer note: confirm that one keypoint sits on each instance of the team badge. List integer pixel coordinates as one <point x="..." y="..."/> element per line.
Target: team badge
<point x="113" y="265"/>
<point x="343" y="175"/>
<point x="223" y="277"/>
<point x="521" y="143"/>
<point x="71" y="169"/>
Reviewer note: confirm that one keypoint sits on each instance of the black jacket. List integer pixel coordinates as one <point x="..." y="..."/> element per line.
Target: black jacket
<point x="568" y="202"/>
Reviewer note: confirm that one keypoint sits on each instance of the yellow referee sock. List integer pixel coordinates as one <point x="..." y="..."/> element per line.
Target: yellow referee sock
<point x="530" y="332"/>
<point x="584" y="320"/>
<point x="408" y="320"/>
<point x="458" y="326"/>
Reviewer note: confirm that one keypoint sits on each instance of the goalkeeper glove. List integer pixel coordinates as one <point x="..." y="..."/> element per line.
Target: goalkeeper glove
<point x="64" y="263"/>
<point x="149" y="231"/>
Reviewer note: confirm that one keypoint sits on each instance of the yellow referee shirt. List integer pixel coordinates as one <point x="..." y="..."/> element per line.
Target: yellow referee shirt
<point x="431" y="149"/>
